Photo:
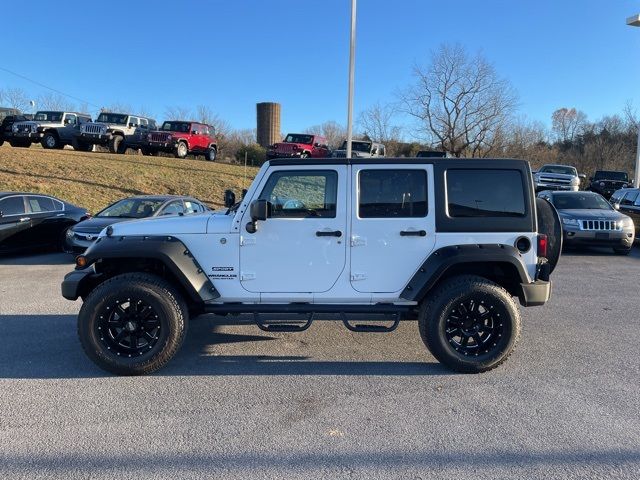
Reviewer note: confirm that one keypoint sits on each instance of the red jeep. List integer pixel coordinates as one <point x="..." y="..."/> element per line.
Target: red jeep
<point x="182" y="139"/>
<point x="300" y="145"/>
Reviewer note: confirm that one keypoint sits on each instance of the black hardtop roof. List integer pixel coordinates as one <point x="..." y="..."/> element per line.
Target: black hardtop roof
<point x="126" y="114"/>
<point x="64" y="111"/>
<point x="449" y="162"/>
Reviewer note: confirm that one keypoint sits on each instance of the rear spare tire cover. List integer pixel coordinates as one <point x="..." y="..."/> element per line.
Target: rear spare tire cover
<point x="549" y="224"/>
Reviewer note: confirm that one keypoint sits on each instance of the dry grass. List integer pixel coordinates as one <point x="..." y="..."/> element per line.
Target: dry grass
<point x="93" y="180"/>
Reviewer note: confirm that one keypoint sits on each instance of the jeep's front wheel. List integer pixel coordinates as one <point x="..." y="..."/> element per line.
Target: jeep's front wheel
<point x="117" y="145"/>
<point x="50" y="141"/>
<point x="132" y="324"/>
<point x="181" y="150"/>
<point x="470" y="324"/>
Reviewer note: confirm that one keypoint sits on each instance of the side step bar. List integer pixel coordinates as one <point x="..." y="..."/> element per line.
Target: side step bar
<point x="311" y="310"/>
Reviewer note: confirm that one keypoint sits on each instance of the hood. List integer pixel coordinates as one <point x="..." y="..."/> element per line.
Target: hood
<point x="591" y="214"/>
<point x="169" y="225"/>
<point x="96" y="224"/>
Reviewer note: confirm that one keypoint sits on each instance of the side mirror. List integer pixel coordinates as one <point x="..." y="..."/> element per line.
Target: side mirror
<point x="582" y="176"/>
<point x="131" y="125"/>
<point x="229" y="198"/>
<point x="193" y="132"/>
<point x="259" y="210"/>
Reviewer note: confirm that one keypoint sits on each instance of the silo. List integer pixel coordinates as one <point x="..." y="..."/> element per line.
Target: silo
<point x="268" y="128"/>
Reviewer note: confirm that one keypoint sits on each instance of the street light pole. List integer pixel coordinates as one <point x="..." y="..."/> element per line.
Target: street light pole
<point x="634" y="21"/>
<point x="352" y="58"/>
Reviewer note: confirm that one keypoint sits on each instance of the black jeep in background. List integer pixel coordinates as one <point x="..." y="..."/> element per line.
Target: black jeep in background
<point x="605" y="182"/>
<point x="9" y="116"/>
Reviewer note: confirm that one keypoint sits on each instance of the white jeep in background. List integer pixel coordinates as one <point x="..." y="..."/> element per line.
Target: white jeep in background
<point x="448" y="242"/>
<point x="558" y="177"/>
<point x="53" y="129"/>
<point x="361" y="149"/>
<point x="116" y="131"/>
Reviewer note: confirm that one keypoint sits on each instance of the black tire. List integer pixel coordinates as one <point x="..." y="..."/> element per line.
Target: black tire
<point x="149" y="153"/>
<point x="81" y="146"/>
<point x="19" y="143"/>
<point x="550" y="225"/>
<point x="1" y="141"/>
<point x="491" y="314"/>
<point x="117" y="145"/>
<point x="50" y="141"/>
<point x="622" y="250"/>
<point x="210" y="154"/>
<point x="105" y="345"/>
<point x="182" y="150"/>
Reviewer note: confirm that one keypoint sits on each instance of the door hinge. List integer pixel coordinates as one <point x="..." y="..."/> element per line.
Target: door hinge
<point x="247" y="241"/>
<point x="247" y="276"/>
<point x="357" y="241"/>
<point x="357" y="276"/>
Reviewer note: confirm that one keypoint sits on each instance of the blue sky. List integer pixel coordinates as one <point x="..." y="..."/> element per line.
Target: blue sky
<point x="231" y="54"/>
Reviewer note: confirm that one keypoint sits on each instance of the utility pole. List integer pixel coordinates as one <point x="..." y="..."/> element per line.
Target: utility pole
<point x="352" y="59"/>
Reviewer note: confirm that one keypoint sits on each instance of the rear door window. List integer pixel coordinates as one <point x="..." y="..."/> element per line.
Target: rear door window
<point x="485" y="193"/>
<point x="629" y="198"/>
<point x="40" y="204"/>
<point x="392" y="193"/>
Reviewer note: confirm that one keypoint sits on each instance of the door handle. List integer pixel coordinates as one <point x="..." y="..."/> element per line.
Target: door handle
<point x="25" y="219"/>
<point x="413" y="233"/>
<point x="334" y="233"/>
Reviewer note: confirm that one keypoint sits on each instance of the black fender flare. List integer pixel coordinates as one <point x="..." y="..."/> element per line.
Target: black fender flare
<point x="168" y="250"/>
<point x="441" y="260"/>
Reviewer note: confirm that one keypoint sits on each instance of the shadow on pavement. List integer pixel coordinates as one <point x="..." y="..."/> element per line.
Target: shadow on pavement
<point x="47" y="346"/>
<point x="37" y="258"/>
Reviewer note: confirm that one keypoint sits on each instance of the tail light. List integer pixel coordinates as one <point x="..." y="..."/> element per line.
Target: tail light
<point x="542" y="245"/>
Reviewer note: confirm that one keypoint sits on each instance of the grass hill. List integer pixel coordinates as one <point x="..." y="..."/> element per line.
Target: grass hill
<point x="93" y="180"/>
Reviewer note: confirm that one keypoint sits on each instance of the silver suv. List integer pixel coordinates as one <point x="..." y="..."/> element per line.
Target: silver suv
<point x="558" y="177"/>
<point x="117" y="131"/>
<point x="52" y="129"/>
<point x="361" y="149"/>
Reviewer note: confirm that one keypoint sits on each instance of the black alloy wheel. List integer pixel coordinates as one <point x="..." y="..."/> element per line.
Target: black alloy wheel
<point x="475" y="326"/>
<point x="128" y="327"/>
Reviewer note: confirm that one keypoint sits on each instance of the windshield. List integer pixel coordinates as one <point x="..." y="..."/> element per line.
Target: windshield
<point x="176" y="127"/>
<point x="299" y="138"/>
<point x="357" y="146"/>
<point x="132" y="208"/>
<point x="558" y="169"/>
<point x="117" y="118"/>
<point x="580" y="201"/>
<point x="48" y="116"/>
<point x="604" y="175"/>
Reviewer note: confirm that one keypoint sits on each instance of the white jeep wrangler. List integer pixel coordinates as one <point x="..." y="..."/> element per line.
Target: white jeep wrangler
<point x="116" y="131"/>
<point x="448" y="242"/>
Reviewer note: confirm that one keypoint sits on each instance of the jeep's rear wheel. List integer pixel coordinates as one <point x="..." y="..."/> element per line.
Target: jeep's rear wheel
<point x="181" y="150"/>
<point x="117" y="145"/>
<point x="50" y="141"/>
<point x="132" y="324"/>
<point x="210" y="154"/>
<point x="470" y="324"/>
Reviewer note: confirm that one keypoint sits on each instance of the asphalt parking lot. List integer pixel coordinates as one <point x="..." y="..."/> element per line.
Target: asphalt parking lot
<point x="240" y="403"/>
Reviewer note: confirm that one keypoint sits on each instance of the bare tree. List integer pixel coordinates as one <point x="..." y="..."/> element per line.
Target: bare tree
<point x="459" y="102"/>
<point x="176" y="112"/>
<point x="16" y="98"/>
<point x="567" y="123"/>
<point x="118" y="107"/>
<point x="332" y="131"/>
<point x="54" y="101"/>
<point x="376" y="123"/>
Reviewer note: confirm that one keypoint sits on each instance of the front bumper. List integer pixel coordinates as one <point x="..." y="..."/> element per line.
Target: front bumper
<point x="610" y="238"/>
<point x="169" y="146"/>
<point x="75" y="282"/>
<point x="33" y="136"/>
<point x="95" y="138"/>
<point x="556" y="187"/>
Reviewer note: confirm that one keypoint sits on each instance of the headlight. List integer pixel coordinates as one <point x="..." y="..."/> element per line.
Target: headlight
<point x="70" y="233"/>
<point x="575" y="181"/>
<point x="14" y="129"/>
<point x="626" y="222"/>
<point x="169" y="138"/>
<point x="601" y="184"/>
<point x="625" y="185"/>
<point x="570" y="221"/>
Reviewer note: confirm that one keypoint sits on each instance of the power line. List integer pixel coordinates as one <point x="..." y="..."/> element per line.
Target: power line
<point x="49" y="88"/>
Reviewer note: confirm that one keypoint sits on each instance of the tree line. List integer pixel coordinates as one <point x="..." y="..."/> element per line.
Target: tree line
<point x="456" y="102"/>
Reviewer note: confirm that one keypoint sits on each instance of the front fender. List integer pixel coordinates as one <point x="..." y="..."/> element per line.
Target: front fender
<point x="130" y="251"/>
